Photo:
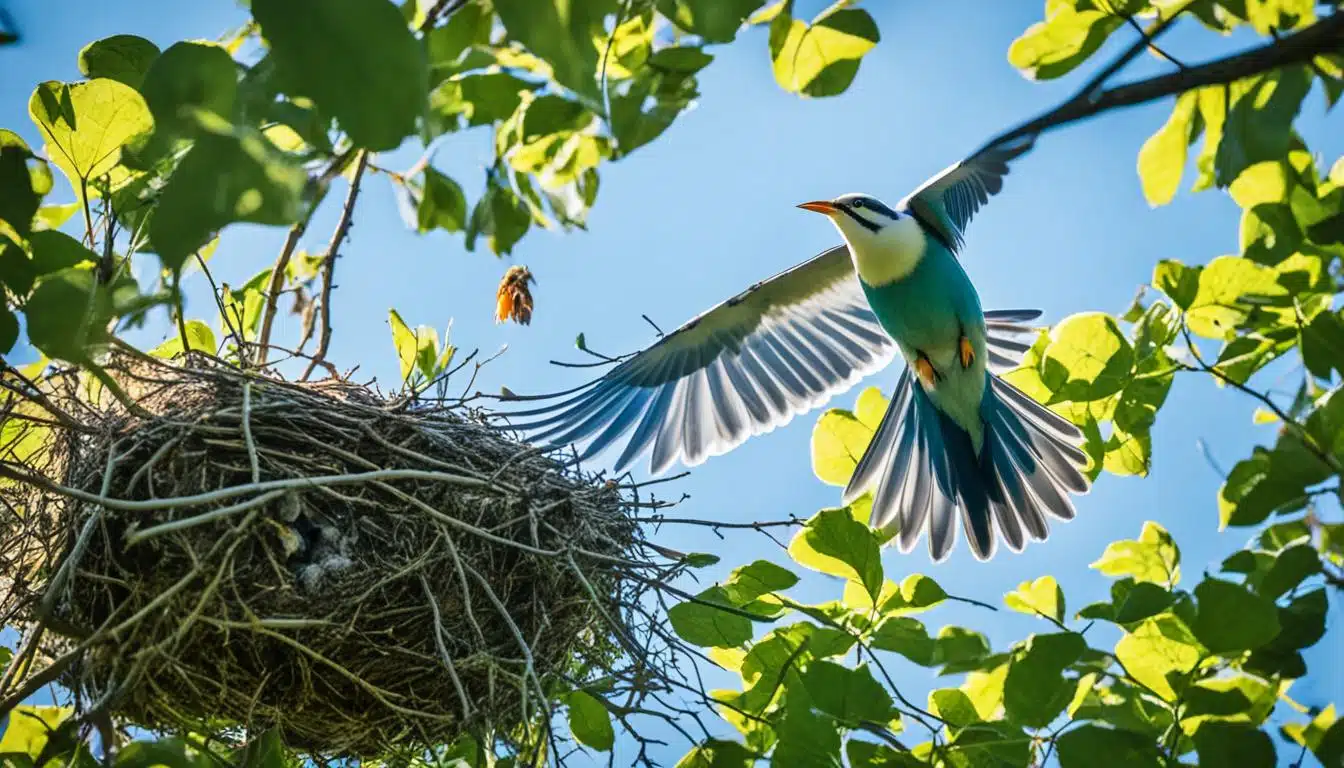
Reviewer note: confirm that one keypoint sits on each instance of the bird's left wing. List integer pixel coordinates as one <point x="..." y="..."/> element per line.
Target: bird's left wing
<point x="750" y="364"/>
<point x="949" y="200"/>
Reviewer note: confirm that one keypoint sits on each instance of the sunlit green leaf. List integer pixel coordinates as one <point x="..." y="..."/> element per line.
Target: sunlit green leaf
<point x="1157" y="651"/>
<point x="717" y="753"/>
<point x="833" y="542"/>
<point x="199" y="337"/>
<point x="1088" y="358"/>
<point x="29" y="726"/>
<point x="1179" y="282"/>
<point x="85" y="124"/>
<point x="405" y="343"/>
<point x="1231" y="618"/>
<point x="1259" y="125"/>
<point x="838" y="442"/>
<point x="1065" y="39"/>
<point x="1154" y="557"/>
<point x="821" y="58"/>
<point x="1324" y="735"/>
<point x="1162" y="158"/>
<point x="1040" y="597"/>
<point x="355" y="58"/>
<point x="124" y="58"/>
<point x="906" y="636"/>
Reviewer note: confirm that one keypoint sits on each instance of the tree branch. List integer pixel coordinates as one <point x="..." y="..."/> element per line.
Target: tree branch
<point x="1324" y="36"/>
<point x="329" y="264"/>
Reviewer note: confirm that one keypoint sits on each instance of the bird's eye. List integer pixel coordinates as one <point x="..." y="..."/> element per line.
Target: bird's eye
<point x="858" y="203"/>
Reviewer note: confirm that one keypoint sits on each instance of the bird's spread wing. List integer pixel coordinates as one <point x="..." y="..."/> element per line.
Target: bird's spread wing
<point x="950" y="199"/>
<point x="750" y="364"/>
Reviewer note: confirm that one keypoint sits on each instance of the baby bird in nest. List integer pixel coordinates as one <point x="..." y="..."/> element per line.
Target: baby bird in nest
<point x="513" y="300"/>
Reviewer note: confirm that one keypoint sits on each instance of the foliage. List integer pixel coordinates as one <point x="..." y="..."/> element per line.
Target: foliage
<point x="164" y="149"/>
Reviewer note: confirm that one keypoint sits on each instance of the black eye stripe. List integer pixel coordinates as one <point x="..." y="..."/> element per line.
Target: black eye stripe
<point x="853" y="214"/>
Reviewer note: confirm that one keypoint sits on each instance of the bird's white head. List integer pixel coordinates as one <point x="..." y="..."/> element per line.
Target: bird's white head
<point x="885" y="244"/>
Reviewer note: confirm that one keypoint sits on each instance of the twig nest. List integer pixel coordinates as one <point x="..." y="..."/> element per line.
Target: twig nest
<point x="313" y="558"/>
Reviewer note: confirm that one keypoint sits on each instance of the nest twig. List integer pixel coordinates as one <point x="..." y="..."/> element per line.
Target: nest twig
<point x="238" y="551"/>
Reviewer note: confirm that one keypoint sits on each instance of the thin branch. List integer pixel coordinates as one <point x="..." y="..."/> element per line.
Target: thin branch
<point x="1324" y="36"/>
<point x="1152" y="46"/>
<point x="276" y="284"/>
<point x="329" y="264"/>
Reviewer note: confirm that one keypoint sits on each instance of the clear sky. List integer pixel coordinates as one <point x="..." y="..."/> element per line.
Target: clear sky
<point x="708" y="208"/>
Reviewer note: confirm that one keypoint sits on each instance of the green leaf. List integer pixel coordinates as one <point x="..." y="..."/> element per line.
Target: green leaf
<point x="717" y="753"/>
<point x="759" y="578"/>
<point x="1162" y="158"/>
<point x="838" y="442"/>
<point x="707" y="626"/>
<point x="717" y="21"/>
<point x="1233" y="744"/>
<point x="956" y="646"/>
<point x="680" y="59"/>
<point x="1274" y="16"/>
<point x="186" y="78"/>
<point x="562" y="32"/>
<point x="1092" y="746"/>
<point x="954" y="706"/>
<point x="1040" y="597"/>
<point x="265" y="750"/>
<point x="1128" y="453"/>
<point x="501" y="217"/>
<point x="1259" y="125"/>
<point x="85" y="124"/>
<point x="833" y="542"/>
<point x="68" y="313"/>
<point x="822" y="58"/>
<point x="1323" y="344"/>
<point x="1231" y="619"/>
<point x="1242" y="699"/>
<point x="9" y="330"/>
<point x="1324" y="736"/>
<point x="1143" y="599"/>
<point x="807" y="740"/>
<point x="1301" y="622"/>
<point x="1088" y="358"/>
<point x="1289" y="569"/>
<point x="224" y="178"/>
<point x="849" y="695"/>
<point x="442" y="204"/>
<point x="1154" y="557"/>
<point x="1179" y="282"/>
<point x="906" y="636"/>
<point x="124" y="58"/>
<point x="356" y="59"/>
<point x="1035" y="691"/>
<point x="1267" y="482"/>
<point x="23" y="184"/>
<point x="918" y="593"/>
<point x="405" y="343"/>
<point x="199" y="337"/>
<point x="1068" y="36"/>
<point x="865" y="754"/>
<point x="1224" y="285"/>
<point x="1157" y="651"/>
<point x="589" y="721"/>
<point x="29" y="727"/>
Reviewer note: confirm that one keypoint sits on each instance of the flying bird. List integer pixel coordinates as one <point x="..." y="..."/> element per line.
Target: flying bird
<point x="957" y="442"/>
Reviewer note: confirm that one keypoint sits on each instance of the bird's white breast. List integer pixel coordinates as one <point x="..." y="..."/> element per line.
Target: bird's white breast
<point x="891" y="254"/>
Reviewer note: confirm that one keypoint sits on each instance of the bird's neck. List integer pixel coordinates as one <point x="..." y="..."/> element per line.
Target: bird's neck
<point x="890" y="254"/>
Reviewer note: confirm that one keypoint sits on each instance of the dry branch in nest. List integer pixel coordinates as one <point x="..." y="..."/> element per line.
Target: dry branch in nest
<point x="355" y="572"/>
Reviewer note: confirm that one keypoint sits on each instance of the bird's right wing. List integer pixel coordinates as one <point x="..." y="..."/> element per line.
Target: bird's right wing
<point x="781" y="348"/>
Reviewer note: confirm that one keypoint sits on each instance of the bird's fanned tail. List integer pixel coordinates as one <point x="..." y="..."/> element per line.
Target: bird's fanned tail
<point x="926" y="473"/>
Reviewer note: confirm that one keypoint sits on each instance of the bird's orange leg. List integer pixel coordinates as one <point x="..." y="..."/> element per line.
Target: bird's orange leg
<point x="926" y="372"/>
<point x="967" y="352"/>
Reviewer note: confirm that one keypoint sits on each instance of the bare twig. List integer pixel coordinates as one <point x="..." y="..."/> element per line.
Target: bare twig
<point x="329" y="264"/>
<point x="276" y="283"/>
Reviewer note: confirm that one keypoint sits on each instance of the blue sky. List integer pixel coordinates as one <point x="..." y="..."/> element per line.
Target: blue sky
<point x="708" y="208"/>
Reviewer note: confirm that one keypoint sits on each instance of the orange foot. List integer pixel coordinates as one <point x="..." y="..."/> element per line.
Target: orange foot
<point x="926" y="372"/>
<point x="967" y="353"/>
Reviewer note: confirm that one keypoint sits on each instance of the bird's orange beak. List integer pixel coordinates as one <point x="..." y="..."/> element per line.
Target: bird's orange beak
<point x="820" y="206"/>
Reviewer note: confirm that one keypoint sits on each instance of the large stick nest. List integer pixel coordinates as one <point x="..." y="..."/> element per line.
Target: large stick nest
<point x="248" y="552"/>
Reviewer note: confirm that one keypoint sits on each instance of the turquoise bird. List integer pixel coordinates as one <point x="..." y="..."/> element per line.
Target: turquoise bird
<point x="957" y="442"/>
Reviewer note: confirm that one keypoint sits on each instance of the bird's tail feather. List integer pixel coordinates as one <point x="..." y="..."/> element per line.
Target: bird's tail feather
<point x="927" y="474"/>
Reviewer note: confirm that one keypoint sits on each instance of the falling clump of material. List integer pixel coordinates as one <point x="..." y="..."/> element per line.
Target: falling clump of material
<point x="513" y="300"/>
<point x="353" y="571"/>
